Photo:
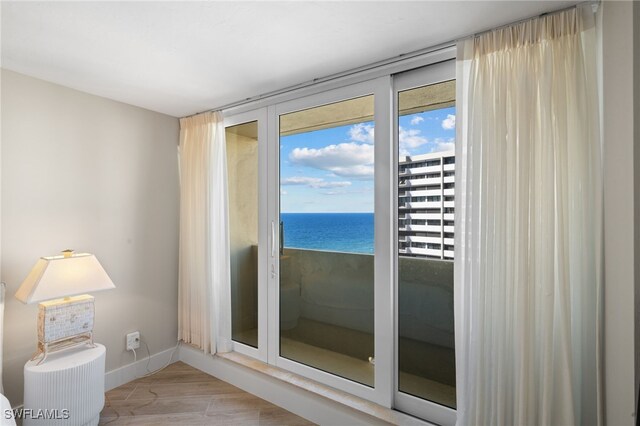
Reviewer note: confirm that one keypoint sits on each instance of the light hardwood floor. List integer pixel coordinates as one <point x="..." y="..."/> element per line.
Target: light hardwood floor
<point x="183" y="395"/>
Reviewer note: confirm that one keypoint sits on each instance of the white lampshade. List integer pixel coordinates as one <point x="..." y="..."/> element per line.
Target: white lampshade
<point x="63" y="276"/>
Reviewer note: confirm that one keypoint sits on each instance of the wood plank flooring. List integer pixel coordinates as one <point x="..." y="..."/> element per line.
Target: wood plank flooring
<point x="183" y="395"/>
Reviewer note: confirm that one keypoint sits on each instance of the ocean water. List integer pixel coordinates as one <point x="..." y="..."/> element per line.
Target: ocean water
<point x="344" y="232"/>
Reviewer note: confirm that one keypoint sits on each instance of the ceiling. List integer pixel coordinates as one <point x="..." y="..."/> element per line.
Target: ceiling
<point x="179" y="58"/>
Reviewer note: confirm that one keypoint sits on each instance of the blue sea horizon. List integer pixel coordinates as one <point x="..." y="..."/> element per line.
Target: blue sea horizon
<point x="340" y="232"/>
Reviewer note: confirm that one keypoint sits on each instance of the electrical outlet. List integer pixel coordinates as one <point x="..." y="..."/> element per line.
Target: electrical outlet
<point x="133" y="340"/>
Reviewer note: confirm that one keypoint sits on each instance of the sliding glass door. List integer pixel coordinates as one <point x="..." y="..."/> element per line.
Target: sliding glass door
<point x="341" y="206"/>
<point x="246" y="145"/>
<point x="327" y="238"/>
<point x="425" y="114"/>
<point x="328" y="222"/>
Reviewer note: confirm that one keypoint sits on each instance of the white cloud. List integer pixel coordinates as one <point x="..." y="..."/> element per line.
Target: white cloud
<point x="444" y="145"/>
<point x="348" y="159"/>
<point x="362" y="133"/>
<point x="410" y="139"/>
<point x="449" y="123"/>
<point x="417" y="120"/>
<point x="359" y="171"/>
<point x="300" y="180"/>
<point x="340" y="184"/>
<point x="313" y="182"/>
<point x="283" y="192"/>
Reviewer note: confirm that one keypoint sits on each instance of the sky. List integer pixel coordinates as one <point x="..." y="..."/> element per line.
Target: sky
<point x="331" y="170"/>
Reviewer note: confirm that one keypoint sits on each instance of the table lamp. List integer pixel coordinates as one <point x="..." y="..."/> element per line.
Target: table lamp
<point x="65" y="314"/>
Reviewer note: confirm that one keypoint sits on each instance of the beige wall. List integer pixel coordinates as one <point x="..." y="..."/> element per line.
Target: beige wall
<point x="84" y="172"/>
<point x="620" y="218"/>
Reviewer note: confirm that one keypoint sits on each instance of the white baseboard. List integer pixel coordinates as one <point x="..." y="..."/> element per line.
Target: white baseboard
<point x="130" y="372"/>
<point x="305" y="404"/>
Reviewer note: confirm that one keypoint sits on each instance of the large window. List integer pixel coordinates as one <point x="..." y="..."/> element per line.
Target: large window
<point x="342" y="227"/>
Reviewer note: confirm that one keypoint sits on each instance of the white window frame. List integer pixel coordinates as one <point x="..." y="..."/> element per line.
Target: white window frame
<point x="259" y="115"/>
<point x="383" y="83"/>
<point x="436" y="73"/>
<point x="382" y="270"/>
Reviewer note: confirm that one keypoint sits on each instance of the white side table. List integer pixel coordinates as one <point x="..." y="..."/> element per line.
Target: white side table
<point x="66" y="389"/>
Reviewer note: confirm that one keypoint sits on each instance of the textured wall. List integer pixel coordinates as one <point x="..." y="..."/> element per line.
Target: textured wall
<point x="337" y="288"/>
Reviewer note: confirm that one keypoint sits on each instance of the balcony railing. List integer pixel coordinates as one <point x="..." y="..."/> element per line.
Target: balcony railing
<point x="338" y="288"/>
<point x="327" y="302"/>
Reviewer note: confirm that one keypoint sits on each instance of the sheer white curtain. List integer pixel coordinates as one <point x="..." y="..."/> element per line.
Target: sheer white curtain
<point x="203" y="280"/>
<point x="529" y="225"/>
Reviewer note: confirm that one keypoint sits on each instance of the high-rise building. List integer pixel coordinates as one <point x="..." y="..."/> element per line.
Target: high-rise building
<point x="425" y="205"/>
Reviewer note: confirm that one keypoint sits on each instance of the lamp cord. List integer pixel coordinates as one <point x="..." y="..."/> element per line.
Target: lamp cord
<point x="150" y="373"/>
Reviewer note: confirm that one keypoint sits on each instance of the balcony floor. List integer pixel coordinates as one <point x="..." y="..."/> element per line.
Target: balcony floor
<point x="307" y="344"/>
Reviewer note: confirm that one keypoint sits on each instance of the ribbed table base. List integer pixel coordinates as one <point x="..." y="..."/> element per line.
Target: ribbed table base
<point x="66" y="389"/>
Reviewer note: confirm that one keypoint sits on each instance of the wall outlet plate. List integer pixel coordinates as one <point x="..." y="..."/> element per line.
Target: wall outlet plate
<point x="133" y="340"/>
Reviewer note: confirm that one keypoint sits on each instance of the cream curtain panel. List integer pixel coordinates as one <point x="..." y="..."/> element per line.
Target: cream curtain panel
<point x="204" y="280"/>
<point x="528" y="250"/>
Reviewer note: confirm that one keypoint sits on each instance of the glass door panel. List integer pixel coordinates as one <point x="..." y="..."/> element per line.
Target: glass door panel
<point x="242" y="176"/>
<point x="326" y="286"/>
<point x="425" y="231"/>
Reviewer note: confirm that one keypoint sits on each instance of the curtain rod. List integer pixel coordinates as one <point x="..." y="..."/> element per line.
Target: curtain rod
<point x="330" y="77"/>
<point x="593" y="3"/>
<point x="390" y="61"/>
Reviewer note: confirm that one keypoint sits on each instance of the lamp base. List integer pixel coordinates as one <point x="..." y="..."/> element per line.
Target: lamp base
<point x="63" y="323"/>
<point x="44" y="349"/>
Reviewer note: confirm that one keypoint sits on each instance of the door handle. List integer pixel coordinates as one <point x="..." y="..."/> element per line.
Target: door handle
<point x="273" y="239"/>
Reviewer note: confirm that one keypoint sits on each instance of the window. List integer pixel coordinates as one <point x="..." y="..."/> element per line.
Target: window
<point x="425" y="321"/>
<point x="242" y="178"/>
<point x="321" y="259"/>
<point x="246" y="139"/>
